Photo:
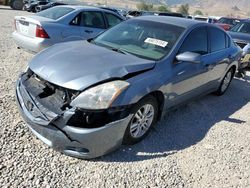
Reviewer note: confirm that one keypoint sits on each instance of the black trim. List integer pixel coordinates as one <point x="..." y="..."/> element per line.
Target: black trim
<point x="98" y="118"/>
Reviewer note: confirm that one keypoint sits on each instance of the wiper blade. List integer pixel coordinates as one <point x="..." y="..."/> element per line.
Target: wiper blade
<point x="110" y="47"/>
<point x="119" y="50"/>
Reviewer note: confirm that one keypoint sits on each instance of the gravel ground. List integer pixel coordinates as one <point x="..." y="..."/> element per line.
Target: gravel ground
<point x="205" y="143"/>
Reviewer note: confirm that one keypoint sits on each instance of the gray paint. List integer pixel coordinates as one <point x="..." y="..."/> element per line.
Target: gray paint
<point x="79" y="65"/>
<point x="83" y="67"/>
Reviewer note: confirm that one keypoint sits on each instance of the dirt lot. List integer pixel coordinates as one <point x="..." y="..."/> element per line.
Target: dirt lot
<point x="205" y="143"/>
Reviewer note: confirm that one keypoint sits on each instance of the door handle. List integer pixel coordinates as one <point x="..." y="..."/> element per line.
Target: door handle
<point x="88" y="31"/>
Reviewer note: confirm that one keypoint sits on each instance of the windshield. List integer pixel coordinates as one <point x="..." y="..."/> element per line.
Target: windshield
<point x="145" y="39"/>
<point x="55" y="12"/>
<point x="242" y="27"/>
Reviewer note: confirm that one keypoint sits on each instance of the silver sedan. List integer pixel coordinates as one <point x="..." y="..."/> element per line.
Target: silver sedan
<point x="86" y="98"/>
<point x="61" y="24"/>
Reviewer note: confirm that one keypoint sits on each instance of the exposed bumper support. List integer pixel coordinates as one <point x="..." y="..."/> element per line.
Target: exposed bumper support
<point x="78" y="142"/>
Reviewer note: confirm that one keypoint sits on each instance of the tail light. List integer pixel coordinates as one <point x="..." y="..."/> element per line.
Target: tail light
<point x="41" y="33"/>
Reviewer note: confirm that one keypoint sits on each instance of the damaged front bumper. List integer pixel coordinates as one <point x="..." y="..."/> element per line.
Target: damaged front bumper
<point x="52" y="128"/>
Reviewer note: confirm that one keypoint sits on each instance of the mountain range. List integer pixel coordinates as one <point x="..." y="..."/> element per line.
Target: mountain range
<point x="235" y="8"/>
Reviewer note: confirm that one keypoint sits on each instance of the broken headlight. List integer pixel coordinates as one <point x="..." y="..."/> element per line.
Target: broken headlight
<point x="101" y="96"/>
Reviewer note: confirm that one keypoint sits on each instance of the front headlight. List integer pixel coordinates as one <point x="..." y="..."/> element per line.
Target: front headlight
<point x="101" y="96"/>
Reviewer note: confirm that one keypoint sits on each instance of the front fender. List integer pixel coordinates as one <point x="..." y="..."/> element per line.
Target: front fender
<point x="142" y="85"/>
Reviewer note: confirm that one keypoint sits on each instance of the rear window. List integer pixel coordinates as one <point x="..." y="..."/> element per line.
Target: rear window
<point x="55" y="12"/>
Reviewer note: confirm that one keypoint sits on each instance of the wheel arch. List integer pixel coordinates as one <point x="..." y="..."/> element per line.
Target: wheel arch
<point x="159" y="96"/>
<point x="234" y="68"/>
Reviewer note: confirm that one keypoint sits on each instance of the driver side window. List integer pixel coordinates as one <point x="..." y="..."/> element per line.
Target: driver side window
<point x="196" y="41"/>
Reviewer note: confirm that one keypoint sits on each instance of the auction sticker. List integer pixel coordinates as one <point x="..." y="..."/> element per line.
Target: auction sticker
<point x="157" y="42"/>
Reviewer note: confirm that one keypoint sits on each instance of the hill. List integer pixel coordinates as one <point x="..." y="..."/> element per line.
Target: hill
<point x="236" y="8"/>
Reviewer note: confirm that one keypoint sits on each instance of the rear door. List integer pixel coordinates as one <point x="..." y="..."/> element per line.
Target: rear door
<point x="219" y="54"/>
<point x="91" y="24"/>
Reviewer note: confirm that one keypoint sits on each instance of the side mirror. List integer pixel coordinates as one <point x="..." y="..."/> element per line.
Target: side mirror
<point x="246" y="49"/>
<point x="189" y="57"/>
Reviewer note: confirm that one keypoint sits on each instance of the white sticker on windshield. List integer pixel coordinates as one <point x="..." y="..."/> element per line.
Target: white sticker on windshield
<point x="157" y="42"/>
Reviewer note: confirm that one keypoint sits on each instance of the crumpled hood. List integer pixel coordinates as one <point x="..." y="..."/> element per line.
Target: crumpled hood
<point x="240" y="36"/>
<point x="79" y="64"/>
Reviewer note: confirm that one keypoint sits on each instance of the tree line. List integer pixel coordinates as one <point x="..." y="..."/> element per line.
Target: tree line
<point x="183" y="9"/>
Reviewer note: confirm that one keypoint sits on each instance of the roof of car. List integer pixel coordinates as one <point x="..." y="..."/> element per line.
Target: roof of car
<point x="80" y="7"/>
<point x="245" y="20"/>
<point x="182" y="22"/>
<point x="230" y="18"/>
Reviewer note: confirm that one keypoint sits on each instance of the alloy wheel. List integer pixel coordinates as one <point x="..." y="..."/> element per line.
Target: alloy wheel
<point x="142" y="121"/>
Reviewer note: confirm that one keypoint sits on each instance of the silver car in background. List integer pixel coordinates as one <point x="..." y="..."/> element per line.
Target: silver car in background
<point x="61" y="24"/>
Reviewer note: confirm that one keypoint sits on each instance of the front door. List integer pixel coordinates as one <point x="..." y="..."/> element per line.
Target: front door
<point x="189" y="79"/>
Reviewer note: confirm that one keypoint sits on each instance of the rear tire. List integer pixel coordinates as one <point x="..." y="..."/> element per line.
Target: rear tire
<point x="225" y="82"/>
<point x="145" y="114"/>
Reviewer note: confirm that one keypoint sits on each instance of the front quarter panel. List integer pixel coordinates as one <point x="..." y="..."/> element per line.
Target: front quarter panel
<point x="143" y="84"/>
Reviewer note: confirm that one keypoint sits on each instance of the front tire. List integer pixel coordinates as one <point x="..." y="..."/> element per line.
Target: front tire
<point x="225" y="82"/>
<point x="145" y="114"/>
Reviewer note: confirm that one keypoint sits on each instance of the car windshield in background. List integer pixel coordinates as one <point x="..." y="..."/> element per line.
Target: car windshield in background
<point x="145" y="39"/>
<point x="242" y="27"/>
<point x="227" y="21"/>
<point x="55" y="12"/>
